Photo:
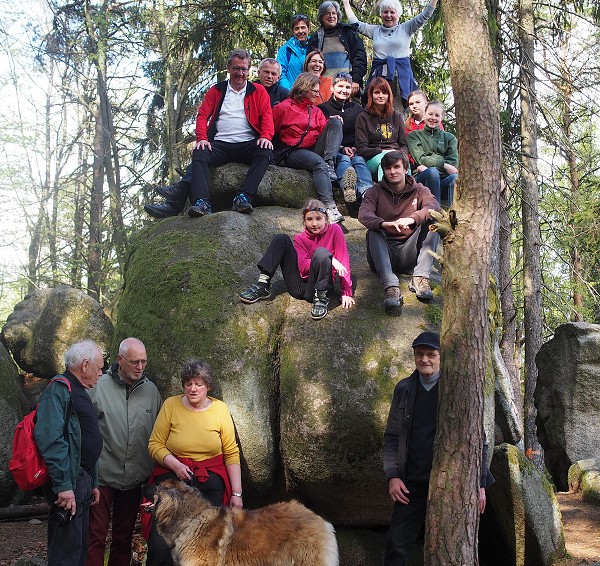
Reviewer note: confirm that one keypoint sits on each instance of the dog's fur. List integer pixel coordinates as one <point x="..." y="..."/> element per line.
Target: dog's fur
<point x="283" y="534"/>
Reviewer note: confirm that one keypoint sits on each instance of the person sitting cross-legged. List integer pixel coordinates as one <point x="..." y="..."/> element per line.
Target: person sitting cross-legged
<point x="234" y="124"/>
<point x="395" y="212"/>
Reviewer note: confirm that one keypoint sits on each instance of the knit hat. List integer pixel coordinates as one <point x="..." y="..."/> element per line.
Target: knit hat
<point x="430" y="339"/>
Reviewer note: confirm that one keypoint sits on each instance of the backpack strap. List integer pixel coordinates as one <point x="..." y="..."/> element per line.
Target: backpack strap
<point x="63" y="379"/>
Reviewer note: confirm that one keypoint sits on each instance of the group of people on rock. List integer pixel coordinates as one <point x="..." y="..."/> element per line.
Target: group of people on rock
<point x="105" y="435"/>
<point x="398" y="170"/>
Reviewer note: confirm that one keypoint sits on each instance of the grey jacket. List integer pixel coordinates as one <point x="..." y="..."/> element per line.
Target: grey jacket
<point x="126" y="415"/>
<point x="398" y="428"/>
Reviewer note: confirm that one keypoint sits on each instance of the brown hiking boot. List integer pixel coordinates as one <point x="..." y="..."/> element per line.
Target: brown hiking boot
<point x="392" y="302"/>
<point x="420" y="286"/>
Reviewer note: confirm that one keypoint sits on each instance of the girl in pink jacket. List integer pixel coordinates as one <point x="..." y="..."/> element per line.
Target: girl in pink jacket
<point x="309" y="264"/>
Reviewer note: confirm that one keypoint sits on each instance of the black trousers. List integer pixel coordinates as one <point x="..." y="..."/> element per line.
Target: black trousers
<point x="223" y="152"/>
<point x="281" y="252"/>
<point x="159" y="552"/>
<point x="407" y="521"/>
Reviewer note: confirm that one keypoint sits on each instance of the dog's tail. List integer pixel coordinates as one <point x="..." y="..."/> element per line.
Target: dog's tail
<point x="329" y="550"/>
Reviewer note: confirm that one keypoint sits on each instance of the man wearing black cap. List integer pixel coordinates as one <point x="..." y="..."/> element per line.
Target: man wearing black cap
<point x="408" y="449"/>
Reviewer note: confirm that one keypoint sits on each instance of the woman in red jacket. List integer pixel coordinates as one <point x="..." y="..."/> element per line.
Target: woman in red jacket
<point x="305" y="139"/>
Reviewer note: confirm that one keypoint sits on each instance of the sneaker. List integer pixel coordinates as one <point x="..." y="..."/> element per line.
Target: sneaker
<point x="319" y="306"/>
<point x="334" y="215"/>
<point x="420" y="286"/>
<point x="348" y="184"/>
<point x="163" y="209"/>
<point x="331" y="171"/>
<point x="171" y="192"/>
<point x="255" y="292"/>
<point x="241" y="203"/>
<point x="200" y="208"/>
<point x="393" y="301"/>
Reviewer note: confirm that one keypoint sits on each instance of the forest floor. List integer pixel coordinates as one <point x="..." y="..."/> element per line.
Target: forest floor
<point x="581" y="520"/>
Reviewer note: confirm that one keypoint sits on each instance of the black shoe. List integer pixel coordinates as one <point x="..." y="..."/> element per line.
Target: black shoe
<point x="320" y="305"/>
<point x="200" y="208"/>
<point x="241" y="203"/>
<point x="172" y="192"/>
<point x="162" y="209"/>
<point x="256" y="292"/>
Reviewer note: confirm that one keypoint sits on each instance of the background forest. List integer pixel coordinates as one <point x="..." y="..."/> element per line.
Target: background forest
<point x="99" y="100"/>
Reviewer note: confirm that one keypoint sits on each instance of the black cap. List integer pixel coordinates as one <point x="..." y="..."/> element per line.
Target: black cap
<point x="430" y="339"/>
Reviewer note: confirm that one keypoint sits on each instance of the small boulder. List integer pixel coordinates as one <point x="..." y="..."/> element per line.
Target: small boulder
<point x="522" y="522"/>
<point x="577" y="471"/>
<point x="46" y="322"/>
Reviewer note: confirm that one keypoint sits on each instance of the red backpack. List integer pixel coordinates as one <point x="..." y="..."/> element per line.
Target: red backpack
<point x="26" y="464"/>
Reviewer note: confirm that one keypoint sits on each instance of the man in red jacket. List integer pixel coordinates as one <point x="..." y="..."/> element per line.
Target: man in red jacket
<point x="396" y="214"/>
<point x="234" y="123"/>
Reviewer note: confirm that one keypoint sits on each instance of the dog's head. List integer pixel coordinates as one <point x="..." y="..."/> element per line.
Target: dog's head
<point x="171" y="501"/>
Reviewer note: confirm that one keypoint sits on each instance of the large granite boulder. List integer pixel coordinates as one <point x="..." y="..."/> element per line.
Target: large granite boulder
<point x="309" y="398"/>
<point x="522" y="523"/>
<point x="12" y="410"/>
<point x="46" y="322"/>
<point x="567" y="400"/>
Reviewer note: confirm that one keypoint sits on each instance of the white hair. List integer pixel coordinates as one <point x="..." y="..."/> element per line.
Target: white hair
<point x="128" y="343"/>
<point x="392" y="5"/>
<point x="80" y="351"/>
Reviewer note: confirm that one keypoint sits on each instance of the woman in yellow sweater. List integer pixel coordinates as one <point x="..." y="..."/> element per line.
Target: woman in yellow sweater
<point x="194" y="440"/>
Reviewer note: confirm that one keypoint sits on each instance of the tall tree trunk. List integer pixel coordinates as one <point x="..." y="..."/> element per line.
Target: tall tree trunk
<point x="509" y="345"/>
<point x="566" y="87"/>
<point x="452" y="515"/>
<point x="532" y="272"/>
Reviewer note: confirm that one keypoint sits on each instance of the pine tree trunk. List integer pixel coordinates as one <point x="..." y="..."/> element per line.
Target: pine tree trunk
<point x="453" y="516"/>
<point x="532" y="272"/>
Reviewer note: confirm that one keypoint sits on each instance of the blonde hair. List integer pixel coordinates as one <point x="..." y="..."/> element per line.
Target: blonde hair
<point x="303" y="85"/>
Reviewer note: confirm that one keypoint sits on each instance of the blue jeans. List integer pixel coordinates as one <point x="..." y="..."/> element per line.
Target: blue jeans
<point x="442" y="188"/>
<point x="68" y="542"/>
<point x="365" y="181"/>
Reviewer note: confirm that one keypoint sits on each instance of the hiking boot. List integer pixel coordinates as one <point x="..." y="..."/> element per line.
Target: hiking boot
<point x="241" y="203"/>
<point x="163" y="209"/>
<point x="200" y="208"/>
<point x="256" y="292"/>
<point x="334" y="215"/>
<point x="319" y="306"/>
<point x="331" y="171"/>
<point x="420" y="286"/>
<point x="172" y="192"/>
<point x="393" y="301"/>
<point x="348" y="184"/>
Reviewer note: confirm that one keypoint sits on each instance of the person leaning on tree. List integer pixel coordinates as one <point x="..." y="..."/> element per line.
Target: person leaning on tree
<point x="127" y="404"/>
<point x="408" y="449"/>
<point x="69" y="440"/>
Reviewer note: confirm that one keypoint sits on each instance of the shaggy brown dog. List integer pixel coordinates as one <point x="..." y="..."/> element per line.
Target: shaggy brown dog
<point x="283" y="534"/>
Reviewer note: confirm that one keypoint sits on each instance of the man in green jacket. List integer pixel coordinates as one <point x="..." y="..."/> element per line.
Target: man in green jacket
<point x="69" y="441"/>
<point x="127" y="403"/>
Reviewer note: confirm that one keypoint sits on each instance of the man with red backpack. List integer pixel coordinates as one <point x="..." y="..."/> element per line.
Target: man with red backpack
<point x="70" y="442"/>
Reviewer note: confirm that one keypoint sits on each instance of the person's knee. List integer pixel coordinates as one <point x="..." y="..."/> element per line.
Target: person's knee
<point x="282" y="239"/>
<point x="202" y="156"/>
<point x="322" y="255"/>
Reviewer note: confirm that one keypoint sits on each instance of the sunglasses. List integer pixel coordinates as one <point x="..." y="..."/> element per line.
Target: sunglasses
<point x="314" y="209"/>
<point x="342" y="77"/>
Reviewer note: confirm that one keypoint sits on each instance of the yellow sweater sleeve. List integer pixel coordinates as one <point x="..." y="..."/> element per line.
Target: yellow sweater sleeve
<point x="191" y="434"/>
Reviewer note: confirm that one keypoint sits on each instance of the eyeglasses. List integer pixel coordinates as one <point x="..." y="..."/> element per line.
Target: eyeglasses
<point x="137" y="362"/>
<point x="239" y="69"/>
<point x="342" y="77"/>
<point x="299" y="17"/>
<point x="314" y="209"/>
<point x="315" y="91"/>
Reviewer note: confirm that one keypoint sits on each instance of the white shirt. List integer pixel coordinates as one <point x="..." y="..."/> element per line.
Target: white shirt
<point x="232" y="125"/>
